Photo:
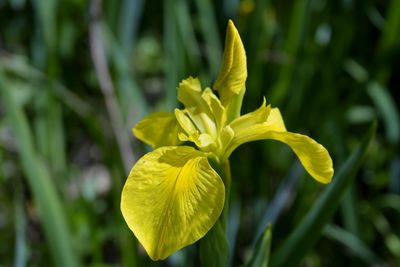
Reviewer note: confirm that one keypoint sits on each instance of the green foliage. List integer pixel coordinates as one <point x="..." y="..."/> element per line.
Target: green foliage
<point x="261" y="254"/>
<point x="330" y="66"/>
<point x="304" y="236"/>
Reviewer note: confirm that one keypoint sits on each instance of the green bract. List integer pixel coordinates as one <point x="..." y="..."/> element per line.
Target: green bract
<point x="173" y="196"/>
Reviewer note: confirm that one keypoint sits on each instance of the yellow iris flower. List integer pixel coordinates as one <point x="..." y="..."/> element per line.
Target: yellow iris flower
<point x="173" y="196"/>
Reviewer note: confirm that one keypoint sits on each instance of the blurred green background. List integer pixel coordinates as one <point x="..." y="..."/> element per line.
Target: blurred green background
<point x="76" y="75"/>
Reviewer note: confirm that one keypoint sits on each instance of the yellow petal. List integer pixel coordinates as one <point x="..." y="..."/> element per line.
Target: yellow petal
<point x="224" y="141"/>
<point x="252" y="126"/>
<point x="258" y="116"/>
<point x="275" y="121"/>
<point x="233" y="73"/>
<point x="171" y="199"/>
<point x="190" y="95"/>
<point x="216" y="108"/>
<point x="158" y="129"/>
<point x="314" y="157"/>
<point x="185" y="123"/>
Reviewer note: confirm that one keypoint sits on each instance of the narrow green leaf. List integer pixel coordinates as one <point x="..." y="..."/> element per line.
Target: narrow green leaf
<point x="309" y="230"/>
<point x="294" y="43"/>
<point x="261" y="252"/>
<point x="261" y="29"/>
<point x="387" y="108"/>
<point x="390" y="35"/>
<point x="130" y="14"/>
<point x="389" y="201"/>
<point x="356" y="70"/>
<point x="186" y="33"/>
<point x="389" y="41"/>
<point x="130" y="98"/>
<point x="214" y="247"/>
<point x="349" y="211"/>
<point x="357" y="246"/>
<point x="45" y="195"/>
<point x="49" y="129"/>
<point x="46" y="15"/>
<point x="209" y="30"/>
<point x="20" y="258"/>
<point x="174" y="58"/>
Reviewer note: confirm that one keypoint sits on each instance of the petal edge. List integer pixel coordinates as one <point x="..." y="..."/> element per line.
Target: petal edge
<point x="171" y="199"/>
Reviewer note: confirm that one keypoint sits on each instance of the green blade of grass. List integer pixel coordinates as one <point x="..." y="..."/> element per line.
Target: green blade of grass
<point x="209" y="29"/>
<point x="298" y="24"/>
<point x="390" y="39"/>
<point x="130" y="98"/>
<point x="49" y="130"/>
<point x="348" y="208"/>
<point x="130" y="14"/>
<point x="186" y="34"/>
<point x="174" y="65"/>
<point x="44" y="192"/>
<point x="20" y="255"/>
<point x="358" y="248"/>
<point x="308" y="231"/>
<point x="46" y="14"/>
<point x="213" y="247"/>
<point x="261" y="253"/>
<point x="387" y="108"/>
<point x="259" y="36"/>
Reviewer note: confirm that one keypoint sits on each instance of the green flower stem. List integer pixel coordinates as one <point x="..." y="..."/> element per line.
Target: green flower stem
<point x="235" y="106"/>
<point x="214" y="245"/>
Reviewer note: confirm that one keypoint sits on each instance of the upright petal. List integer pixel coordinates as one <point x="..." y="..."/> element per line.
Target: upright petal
<point x="233" y="73"/>
<point x="258" y="116"/>
<point x="216" y="108"/>
<point x="253" y="126"/>
<point x="190" y="95"/>
<point x="171" y="199"/>
<point x="158" y="129"/>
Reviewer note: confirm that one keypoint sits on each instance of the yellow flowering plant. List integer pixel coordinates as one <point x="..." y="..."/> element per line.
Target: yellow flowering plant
<point x="176" y="193"/>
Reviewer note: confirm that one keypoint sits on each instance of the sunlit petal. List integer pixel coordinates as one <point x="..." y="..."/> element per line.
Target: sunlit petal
<point x="312" y="155"/>
<point x="258" y="116"/>
<point x="251" y="127"/>
<point x="233" y="73"/>
<point x="185" y="122"/>
<point x="275" y="121"/>
<point x="216" y="108"/>
<point x="190" y="95"/>
<point x="171" y="199"/>
<point x="158" y="129"/>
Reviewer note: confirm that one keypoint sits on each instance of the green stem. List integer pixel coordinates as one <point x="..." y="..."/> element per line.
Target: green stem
<point x="214" y="245"/>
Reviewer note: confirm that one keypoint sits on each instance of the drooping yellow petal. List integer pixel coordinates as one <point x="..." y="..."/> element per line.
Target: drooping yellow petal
<point x="158" y="129"/>
<point x="233" y="73"/>
<point x="314" y="157"/>
<point x="171" y="199"/>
